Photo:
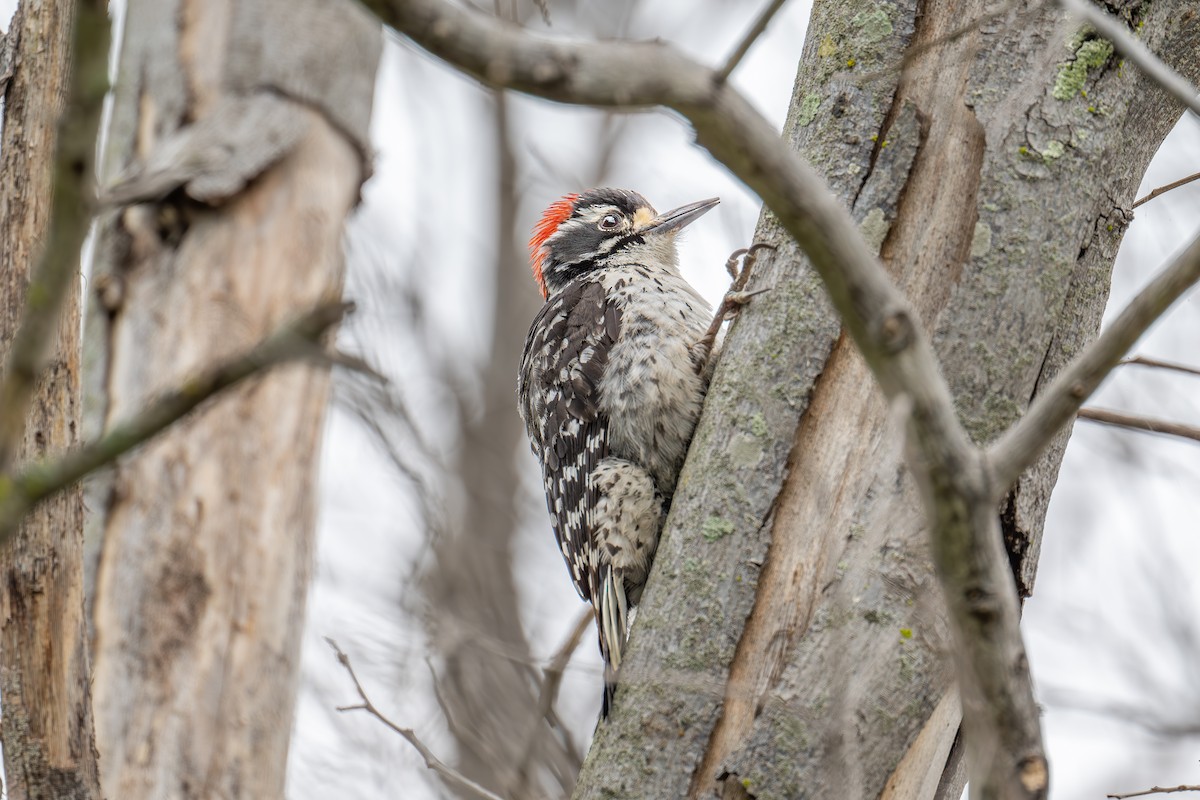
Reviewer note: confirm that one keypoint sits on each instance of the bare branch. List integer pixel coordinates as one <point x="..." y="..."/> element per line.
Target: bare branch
<point x="1053" y="408"/>
<point x="558" y="664"/>
<point x="434" y="763"/>
<point x="551" y="684"/>
<point x="1154" y="362"/>
<point x="1165" y="189"/>
<point x="1156" y="790"/>
<point x="1131" y="47"/>
<point x="756" y="30"/>
<point x="1136" y="423"/>
<point x="70" y="215"/>
<point x="34" y="484"/>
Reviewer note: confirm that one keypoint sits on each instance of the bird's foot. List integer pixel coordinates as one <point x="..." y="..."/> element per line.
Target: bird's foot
<point x="738" y="265"/>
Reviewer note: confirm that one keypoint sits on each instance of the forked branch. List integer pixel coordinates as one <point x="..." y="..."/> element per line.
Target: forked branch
<point x="1053" y="408"/>
<point x="451" y="775"/>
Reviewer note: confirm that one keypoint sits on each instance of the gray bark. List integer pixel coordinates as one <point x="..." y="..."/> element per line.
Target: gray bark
<point x="792" y="641"/>
<point x="238" y="144"/>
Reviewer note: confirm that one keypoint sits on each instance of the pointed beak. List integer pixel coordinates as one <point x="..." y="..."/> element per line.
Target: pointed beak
<point x="677" y="218"/>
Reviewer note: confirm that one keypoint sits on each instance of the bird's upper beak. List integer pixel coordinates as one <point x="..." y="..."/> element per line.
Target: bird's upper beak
<point x="677" y="218"/>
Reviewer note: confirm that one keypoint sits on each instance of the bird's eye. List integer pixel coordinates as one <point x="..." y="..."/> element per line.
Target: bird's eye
<point x="609" y="222"/>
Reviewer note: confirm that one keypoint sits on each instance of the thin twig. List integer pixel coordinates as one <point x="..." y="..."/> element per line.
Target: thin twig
<point x="558" y="664"/>
<point x="70" y="215"/>
<point x="34" y="484"/>
<point x="1165" y="189"/>
<point x="1053" y="408"/>
<point x="1154" y="362"/>
<point x="1129" y="46"/>
<point x="434" y="763"/>
<point x="756" y="30"/>
<point x="1136" y="423"/>
<point x="551" y="683"/>
<point x="1156" y="790"/>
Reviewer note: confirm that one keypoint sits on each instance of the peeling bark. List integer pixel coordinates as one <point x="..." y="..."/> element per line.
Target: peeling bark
<point x="235" y="162"/>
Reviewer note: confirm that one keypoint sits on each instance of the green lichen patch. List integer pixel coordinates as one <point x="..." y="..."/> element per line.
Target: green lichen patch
<point x="1053" y="151"/>
<point x="808" y="108"/>
<point x="1072" y="75"/>
<point x="981" y="240"/>
<point x="715" y="528"/>
<point x="875" y="25"/>
<point x="758" y="424"/>
<point x="745" y="451"/>
<point x="874" y="616"/>
<point x="874" y="228"/>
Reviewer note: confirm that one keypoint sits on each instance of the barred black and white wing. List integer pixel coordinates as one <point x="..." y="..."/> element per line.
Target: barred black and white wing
<point x="558" y="393"/>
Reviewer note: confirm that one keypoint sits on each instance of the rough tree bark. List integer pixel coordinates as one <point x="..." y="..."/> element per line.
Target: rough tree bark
<point x="792" y="642"/>
<point x="44" y="690"/>
<point x="237" y="146"/>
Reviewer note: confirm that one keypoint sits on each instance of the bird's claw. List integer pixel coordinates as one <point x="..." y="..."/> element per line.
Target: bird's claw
<point x="737" y="296"/>
<point x="747" y="255"/>
<point x="734" y="299"/>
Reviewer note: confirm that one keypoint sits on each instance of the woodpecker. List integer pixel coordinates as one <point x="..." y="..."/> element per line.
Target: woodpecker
<point x="612" y="380"/>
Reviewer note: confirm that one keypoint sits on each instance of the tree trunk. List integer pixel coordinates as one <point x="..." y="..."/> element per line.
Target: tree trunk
<point x="49" y="750"/>
<point x="237" y="146"/>
<point x="792" y="640"/>
<point x="491" y="703"/>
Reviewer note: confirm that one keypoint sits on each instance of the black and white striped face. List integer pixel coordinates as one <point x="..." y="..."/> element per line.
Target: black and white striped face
<point x="607" y="227"/>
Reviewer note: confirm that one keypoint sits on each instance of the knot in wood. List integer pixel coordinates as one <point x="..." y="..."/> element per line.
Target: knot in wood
<point x="546" y="71"/>
<point x="499" y="72"/>
<point x="1034" y="775"/>
<point x="896" y="331"/>
<point x="110" y="291"/>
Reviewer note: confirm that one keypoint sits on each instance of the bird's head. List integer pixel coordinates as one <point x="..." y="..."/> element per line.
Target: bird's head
<point x="604" y="227"/>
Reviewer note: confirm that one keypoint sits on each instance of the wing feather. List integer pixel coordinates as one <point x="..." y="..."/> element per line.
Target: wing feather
<point x="559" y="397"/>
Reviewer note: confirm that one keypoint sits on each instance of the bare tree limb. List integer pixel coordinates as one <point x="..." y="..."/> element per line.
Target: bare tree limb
<point x="431" y="761"/>
<point x="1005" y="742"/>
<point x="1144" y="361"/>
<point x="298" y="339"/>
<point x="1164" y="189"/>
<point x="1156" y="790"/>
<point x="756" y="30"/>
<point x="1136" y="423"/>
<point x="1053" y="408"/>
<point x="70" y="215"/>
<point x="1131" y="47"/>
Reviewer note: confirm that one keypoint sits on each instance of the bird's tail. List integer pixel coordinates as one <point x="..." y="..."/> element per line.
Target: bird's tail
<point x="612" y="620"/>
